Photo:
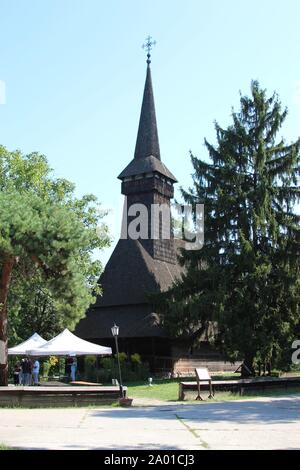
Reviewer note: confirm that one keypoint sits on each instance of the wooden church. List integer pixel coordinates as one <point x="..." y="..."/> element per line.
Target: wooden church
<point x="138" y="266"/>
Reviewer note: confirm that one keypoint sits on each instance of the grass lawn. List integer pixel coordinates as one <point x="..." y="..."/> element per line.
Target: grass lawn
<point x="167" y="390"/>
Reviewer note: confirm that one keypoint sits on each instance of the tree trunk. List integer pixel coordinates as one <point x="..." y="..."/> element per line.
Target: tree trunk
<point x="5" y="277"/>
<point x="259" y="369"/>
<point x="247" y="369"/>
<point x="195" y="336"/>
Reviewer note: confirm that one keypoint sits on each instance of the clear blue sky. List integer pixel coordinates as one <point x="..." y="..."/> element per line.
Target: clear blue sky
<point x="74" y="72"/>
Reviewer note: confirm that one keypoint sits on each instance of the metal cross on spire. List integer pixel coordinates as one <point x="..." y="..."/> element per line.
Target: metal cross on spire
<point x="148" y="45"/>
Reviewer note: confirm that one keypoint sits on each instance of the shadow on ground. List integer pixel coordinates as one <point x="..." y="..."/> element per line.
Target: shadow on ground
<point x="279" y="410"/>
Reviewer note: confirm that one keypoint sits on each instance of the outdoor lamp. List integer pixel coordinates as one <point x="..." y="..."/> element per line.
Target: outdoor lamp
<point x="115" y="333"/>
<point x="115" y="330"/>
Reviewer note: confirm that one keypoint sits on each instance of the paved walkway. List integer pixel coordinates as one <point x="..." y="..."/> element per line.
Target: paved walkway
<point x="269" y="423"/>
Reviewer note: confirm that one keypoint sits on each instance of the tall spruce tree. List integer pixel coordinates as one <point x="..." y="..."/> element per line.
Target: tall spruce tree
<point x="246" y="277"/>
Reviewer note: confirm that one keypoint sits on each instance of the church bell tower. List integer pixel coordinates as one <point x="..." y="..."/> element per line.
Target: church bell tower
<point x="147" y="181"/>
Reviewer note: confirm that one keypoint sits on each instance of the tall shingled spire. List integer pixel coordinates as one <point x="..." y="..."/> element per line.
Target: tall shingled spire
<point x="147" y="138"/>
<point x="147" y="154"/>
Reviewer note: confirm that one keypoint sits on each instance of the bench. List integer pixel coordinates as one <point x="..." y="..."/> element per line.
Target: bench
<point x="221" y="385"/>
<point x="241" y="386"/>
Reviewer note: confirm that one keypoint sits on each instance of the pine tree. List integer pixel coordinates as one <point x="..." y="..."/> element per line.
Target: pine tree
<point x="47" y="236"/>
<point x="246" y="277"/>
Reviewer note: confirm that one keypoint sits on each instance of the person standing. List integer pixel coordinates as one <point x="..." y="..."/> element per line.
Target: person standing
<point x="36" y="372"/>
<point x="69" y="362"/>
<point x="29" y="372"/>
<point x="22" y="373"/>
<point x="73" y="369"/>
<point x="24" y="369"/>
<point x="17" y="374"/>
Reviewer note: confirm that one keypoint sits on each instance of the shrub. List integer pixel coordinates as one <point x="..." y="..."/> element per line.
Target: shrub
<point x="132" y="370"/>
<point x="90" y="369"/>
<point x="122" y="357"/>
<point x="107" y="362"/>
<point x="62" y="366"/>
<point x="89" y="363"/>
<point x="135" y="358"/>
<point x="46" y="368"/>
<point x="54" y="365"/>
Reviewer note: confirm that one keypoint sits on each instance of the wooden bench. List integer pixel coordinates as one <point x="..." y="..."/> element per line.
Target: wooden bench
<point x="222" y="385"/>
<point x="243" y="385"/>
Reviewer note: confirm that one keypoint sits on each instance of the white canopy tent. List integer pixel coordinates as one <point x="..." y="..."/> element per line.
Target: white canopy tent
<point x="67" y="344"/>
<point x="35" y="341"/>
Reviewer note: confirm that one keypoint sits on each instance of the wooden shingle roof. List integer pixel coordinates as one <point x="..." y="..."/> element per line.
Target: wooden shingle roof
<point x="147" y="153"/>
<point x="130" y="274"/>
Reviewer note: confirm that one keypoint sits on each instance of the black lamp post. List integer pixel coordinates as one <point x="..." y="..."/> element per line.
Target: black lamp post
<point x="115" y="333"/>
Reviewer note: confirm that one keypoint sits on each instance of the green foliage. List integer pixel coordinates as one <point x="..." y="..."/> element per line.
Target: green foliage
<point x="5" y="447"/>
<point x="246" y="277"/>
<point x="122" y="357"/>
<point x="53" y="366"/>
<point x="167" y="390"/>
<point x="50" y="235"/>
<point x="90" y="361"/>
<point x="107" y="363"/>
<point x="135" y="358"/>
<point x="90" y="367"/>
<point x="46" y="366"/>
<point x="131" y="370"/>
